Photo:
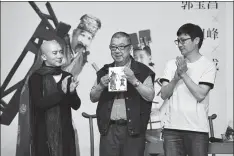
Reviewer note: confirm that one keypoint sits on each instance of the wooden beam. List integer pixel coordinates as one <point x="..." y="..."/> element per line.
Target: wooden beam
<point x="52" y="14"/>
<point x="12" y="71"/>
<point x="12" y="108"/>
<point x="11" y="89"/>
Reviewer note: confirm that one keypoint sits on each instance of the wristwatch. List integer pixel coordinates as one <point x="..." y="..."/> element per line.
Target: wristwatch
<point x="137" y="83"/>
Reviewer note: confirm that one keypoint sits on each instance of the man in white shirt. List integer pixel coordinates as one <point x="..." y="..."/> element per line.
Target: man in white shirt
<point x="186" y="84"/>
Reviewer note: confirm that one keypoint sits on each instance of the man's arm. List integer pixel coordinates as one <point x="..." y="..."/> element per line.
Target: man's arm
<point x="74" y="100"/>
<point x="199" y="91"/>
<point x="168" y="87"/>
<point x="168" y="81"/>
<point x="96" y="92"/>
<point x="97" y="89"/>
<point x="146" y="89"/>
<point x="36" y="89"/>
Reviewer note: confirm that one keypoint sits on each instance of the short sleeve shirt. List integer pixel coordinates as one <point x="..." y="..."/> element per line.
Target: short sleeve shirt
<point x="184" y="111"/>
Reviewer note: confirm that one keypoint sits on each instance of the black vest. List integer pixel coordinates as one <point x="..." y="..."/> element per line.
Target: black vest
<point x="137" y="109"/>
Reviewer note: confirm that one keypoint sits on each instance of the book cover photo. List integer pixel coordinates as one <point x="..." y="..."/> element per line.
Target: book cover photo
<point x="118" y="83"/>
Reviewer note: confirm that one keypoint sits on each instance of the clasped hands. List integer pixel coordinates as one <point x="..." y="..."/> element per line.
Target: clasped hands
<point x="129" y="75"/>
<point x="74" y="83"/>
<point x="181" y="68"/>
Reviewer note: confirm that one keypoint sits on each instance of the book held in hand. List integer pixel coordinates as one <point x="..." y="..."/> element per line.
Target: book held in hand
<point x="118" y="83"/>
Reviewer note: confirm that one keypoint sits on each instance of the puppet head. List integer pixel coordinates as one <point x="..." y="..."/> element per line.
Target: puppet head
<point x="85" y="32"/>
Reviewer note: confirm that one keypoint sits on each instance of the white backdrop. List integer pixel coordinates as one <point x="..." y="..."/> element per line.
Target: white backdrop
<point x="19" y="21"/>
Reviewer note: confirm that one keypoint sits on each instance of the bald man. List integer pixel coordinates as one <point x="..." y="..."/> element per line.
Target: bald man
<point x="52" y="95"/>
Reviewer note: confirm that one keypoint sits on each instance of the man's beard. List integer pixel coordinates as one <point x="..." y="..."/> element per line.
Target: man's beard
<point x="80" y="47"/>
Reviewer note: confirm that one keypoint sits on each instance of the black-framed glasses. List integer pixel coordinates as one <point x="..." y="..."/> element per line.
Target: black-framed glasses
<point x="182" y="41"/>
<point x="120" y="48"/>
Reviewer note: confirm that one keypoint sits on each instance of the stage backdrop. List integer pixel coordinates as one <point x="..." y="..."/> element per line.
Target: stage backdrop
<point x="19" y="21"/>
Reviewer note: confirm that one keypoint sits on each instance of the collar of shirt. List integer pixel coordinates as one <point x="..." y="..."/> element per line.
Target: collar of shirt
<point x="57" y="77"/>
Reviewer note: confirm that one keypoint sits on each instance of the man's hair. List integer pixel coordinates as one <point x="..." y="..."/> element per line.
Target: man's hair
<point x="121" y="34"/>
<point x="193" y="31"/>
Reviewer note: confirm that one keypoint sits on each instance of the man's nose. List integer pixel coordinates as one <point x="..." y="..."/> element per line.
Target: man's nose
<point x="84" y="41"/>
<point x="59" y="55"/>
<point x="180" y="44"/>
<point x="117" y="50"/>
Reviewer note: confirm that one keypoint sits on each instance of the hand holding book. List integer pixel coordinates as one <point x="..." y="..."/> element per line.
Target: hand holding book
<point x="104" y="81"/>
<point x="129" y="75"/>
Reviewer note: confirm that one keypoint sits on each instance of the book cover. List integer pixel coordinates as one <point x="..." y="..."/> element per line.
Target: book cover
<point x="118" y="83"/>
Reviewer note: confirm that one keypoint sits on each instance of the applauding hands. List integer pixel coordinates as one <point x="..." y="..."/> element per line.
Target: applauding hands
<point x="181" y="67"/>
<point x="72" y="87"/>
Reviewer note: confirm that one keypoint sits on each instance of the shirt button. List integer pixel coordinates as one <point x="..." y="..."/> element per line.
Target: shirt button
<point x="126" y="98"/>
<point x="129" y="120"/>
<point x="128" y="109"/>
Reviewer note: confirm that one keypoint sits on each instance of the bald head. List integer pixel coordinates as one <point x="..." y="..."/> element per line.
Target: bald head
<point x="47" y="46"/>
<point x="52" y="53"/>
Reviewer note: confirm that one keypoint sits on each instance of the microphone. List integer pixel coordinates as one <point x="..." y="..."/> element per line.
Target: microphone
<point x="95" y="67"/>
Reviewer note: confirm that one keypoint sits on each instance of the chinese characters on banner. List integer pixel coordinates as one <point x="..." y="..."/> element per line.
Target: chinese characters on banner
<point x="209" y="33"/>
<point x="199" y="5"/>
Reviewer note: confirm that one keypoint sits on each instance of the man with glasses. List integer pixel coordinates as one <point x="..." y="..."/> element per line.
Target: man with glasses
<point x="122" y="117"/>
<point x="186" y="84"/>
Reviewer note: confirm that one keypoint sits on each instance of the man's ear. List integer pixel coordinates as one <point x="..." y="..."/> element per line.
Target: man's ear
<point x="197" y="40"/>
<point x="43" y="57"/>
<point x="150" y="58"/>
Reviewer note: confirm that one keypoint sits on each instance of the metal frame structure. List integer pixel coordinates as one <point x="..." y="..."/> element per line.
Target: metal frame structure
<point x="44" y="31"/>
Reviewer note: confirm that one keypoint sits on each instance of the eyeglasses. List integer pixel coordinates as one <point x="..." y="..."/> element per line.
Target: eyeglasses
<point x="182" y="41"/>
<point x="120" y="48"/>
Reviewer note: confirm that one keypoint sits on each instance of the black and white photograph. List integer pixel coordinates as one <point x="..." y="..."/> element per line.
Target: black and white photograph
<point x="116" y="78"/>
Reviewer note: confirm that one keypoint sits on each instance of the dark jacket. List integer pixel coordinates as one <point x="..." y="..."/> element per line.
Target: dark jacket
<point x="138" y="109"/>
<point x="40" y="104"/>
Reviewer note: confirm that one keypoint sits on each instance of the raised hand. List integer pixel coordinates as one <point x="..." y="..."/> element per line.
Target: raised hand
<point x="176" y="76"/>
<point x="73" y="85"/>
<point x="129" y="74"/>
<point x="104" y="81"/>
<point x="181" y="66"/>
<point x="64" y="84"/>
